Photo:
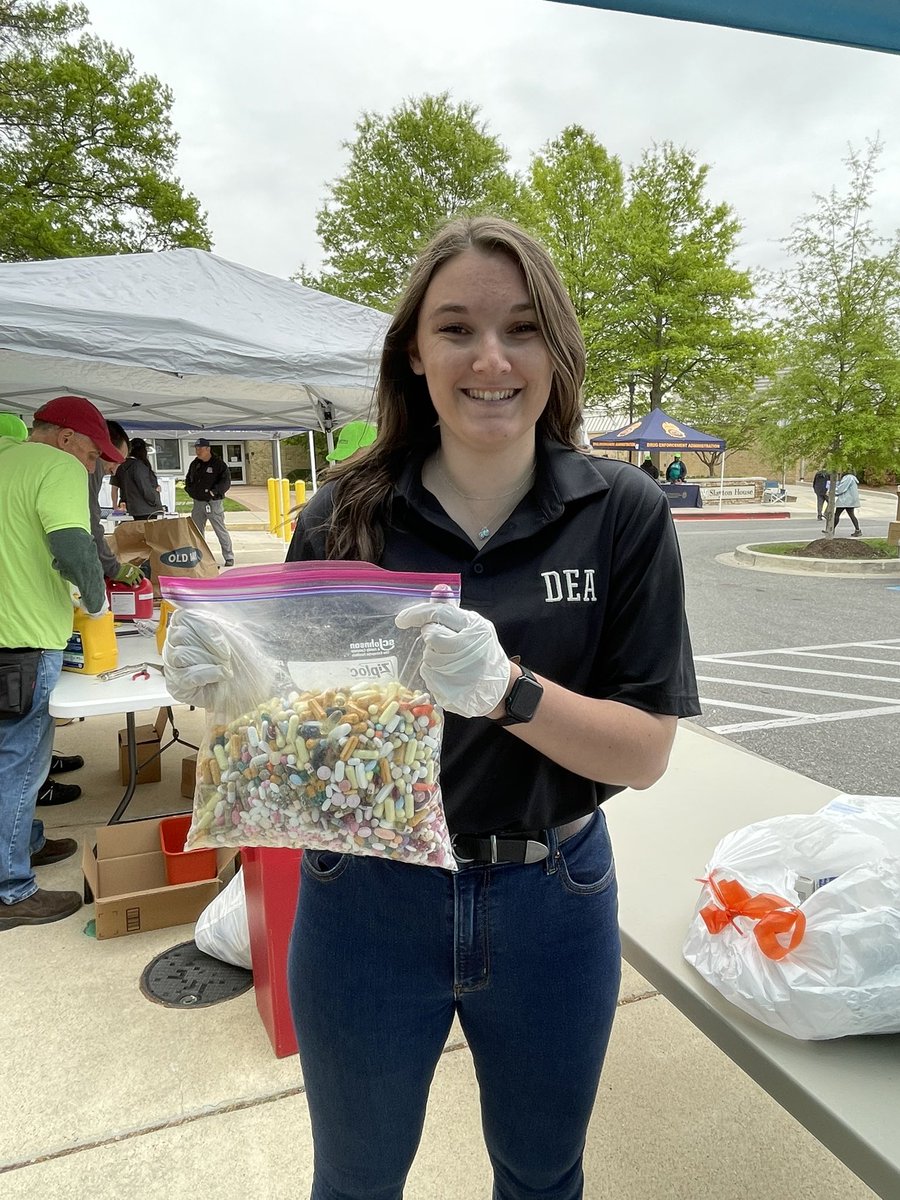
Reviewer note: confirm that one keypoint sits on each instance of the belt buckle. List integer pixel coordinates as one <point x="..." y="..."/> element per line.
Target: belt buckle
<point x="459" y="857"/>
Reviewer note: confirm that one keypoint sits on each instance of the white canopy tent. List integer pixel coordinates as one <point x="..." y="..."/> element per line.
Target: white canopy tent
<point x="184" y="342"/>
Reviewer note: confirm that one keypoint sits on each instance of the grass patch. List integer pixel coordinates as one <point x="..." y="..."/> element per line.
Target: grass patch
<point x="183" y="502"/>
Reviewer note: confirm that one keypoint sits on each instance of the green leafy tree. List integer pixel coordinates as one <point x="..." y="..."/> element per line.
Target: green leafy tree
<point x="427" y="160"/>
<point x="834" y="398"/>
<point x="733" y="414"/>
<point x="87" y="148"/>
<point x="577" y="197"/>
<point x="686" y="326"/>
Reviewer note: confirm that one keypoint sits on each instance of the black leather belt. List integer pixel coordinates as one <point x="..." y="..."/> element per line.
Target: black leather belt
<point x="512" y="847"/>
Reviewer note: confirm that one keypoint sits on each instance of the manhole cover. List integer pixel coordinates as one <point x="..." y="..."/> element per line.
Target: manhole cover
<point x="185" y="977"/>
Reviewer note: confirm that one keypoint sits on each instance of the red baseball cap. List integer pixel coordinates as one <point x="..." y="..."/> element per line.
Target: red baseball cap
<point x="79" y="415"/>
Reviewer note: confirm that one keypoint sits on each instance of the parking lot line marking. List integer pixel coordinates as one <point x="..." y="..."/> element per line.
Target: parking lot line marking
<point x="880" y="643"/>
<point x="784" y="687"/>
<point x="780" y="712"/>
<point x="875" y="662"/>
<point x="758" y="666"/>
<point x="810" y="719"/>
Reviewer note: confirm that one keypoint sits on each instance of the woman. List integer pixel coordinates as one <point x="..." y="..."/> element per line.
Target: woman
<point x="569" y="563"/>
<point x="846" y="500"/>
<point x="136" y="480"/>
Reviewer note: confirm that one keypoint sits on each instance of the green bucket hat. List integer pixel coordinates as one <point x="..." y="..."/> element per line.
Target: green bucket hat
<point x="352" y="437"/>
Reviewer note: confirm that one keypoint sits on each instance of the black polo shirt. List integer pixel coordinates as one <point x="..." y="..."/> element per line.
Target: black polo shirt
<point x="583" y="582"/>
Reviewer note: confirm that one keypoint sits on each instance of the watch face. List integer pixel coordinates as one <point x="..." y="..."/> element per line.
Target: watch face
<point x="523" y="700"/>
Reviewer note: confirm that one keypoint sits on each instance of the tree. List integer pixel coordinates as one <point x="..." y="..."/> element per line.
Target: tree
<point x="686" y="325"/>
<point x="834" y="398"/>
<point x="577" y="196"/>
<point x="87" y="149"/>
<point x="732" y="414"/>
<point x="427" y="160"/>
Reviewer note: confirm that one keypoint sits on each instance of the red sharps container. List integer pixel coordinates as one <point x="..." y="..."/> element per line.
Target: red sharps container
<point x="130" y="603"/>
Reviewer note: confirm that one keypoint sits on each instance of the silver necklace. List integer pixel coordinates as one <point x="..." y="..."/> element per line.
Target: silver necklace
<point x="486" y="529"/>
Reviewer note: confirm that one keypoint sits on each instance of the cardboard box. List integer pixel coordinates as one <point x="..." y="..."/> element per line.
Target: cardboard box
<point x="127" y="874"/>
<point x="149" y="738"/>
<point x="188" y="775"/>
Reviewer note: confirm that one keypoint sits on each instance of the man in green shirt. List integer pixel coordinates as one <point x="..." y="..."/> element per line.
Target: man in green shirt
<point x="45" y="540"/>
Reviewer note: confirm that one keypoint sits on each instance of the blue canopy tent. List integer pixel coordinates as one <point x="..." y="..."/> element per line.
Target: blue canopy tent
<point x="866" y="24"/>
<point x="659" y="431"/>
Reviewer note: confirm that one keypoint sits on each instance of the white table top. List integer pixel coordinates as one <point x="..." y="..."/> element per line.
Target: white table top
<point x="77" y="695"/>
<point x="846" y="1092"/>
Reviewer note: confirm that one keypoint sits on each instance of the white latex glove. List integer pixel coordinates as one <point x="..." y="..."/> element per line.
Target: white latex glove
<point x="463" y="664"/>
<point x="197" y="659"/>
<point x="101" y="612"/>
<point x="215" y="666"/>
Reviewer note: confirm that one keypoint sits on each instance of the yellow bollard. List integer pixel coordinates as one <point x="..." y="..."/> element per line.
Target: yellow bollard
<point x="300" y="492"/>
<point x="285" y="509"/>
<point x="273" y="504"/>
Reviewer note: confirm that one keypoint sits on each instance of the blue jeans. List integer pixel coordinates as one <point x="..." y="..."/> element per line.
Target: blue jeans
<point x="384" y="954"/>
<point x="26" y="745"/>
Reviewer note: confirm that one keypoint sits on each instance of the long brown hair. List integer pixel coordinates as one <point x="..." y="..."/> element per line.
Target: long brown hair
<point x="405" y="415"/>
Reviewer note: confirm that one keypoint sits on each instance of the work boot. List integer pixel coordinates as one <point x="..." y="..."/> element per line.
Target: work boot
<point x="52" y="792"/>
<point x="54" y="851"/>
<point x="60" y="763"/>
<point x="40" y="909"/>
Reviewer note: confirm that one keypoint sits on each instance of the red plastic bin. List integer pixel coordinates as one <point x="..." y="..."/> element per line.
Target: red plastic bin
<point x="184" y="866"/>
<point x="272" y="885"/>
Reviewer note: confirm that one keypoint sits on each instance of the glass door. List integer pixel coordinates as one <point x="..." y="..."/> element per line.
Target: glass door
<point x="233" y="453"/>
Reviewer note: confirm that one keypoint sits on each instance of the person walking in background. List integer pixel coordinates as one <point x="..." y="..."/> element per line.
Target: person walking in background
<point x="846" y="500"/>
<point x="820" y="488"/>
<point x="136" y="481"/>
<point x="206" y="482"/>
<point x="650" y="467"/>
<point x="676" y="471"/>
<point x="45" y="541"/>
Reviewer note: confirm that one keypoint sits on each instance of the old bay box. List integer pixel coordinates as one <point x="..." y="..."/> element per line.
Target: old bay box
<point x="127" y="875"/>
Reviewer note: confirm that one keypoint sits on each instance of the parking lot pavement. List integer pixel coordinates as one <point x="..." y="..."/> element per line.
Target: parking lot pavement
<point x="821" y="684"/>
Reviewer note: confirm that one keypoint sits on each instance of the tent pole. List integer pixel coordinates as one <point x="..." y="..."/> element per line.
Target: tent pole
<point x="312" y="461"/>
<point x="277" y="451"/>
<point x="722" y="482"/>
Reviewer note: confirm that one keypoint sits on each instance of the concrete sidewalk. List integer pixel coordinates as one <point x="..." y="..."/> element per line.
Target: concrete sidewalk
<point x="110" y="1096"/>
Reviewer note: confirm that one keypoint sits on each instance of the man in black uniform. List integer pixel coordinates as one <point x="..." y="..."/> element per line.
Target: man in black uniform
<point x="206" y="482"/>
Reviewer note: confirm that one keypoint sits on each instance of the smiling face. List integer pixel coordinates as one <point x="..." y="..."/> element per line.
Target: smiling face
<point x="482" y="353"/>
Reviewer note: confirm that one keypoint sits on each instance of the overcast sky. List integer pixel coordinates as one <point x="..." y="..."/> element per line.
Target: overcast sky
<point x="265" y="93"/>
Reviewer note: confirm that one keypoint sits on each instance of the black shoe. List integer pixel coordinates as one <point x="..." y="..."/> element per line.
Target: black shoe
<point x="229" y="562"/>
<point x="60" y="763"/>
<point x="57" y="793"/>
<point x="54" y="851"/>
<point x="856" y="533"/>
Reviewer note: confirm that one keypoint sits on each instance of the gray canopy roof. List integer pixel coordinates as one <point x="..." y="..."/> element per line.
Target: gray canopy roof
<point x="184" y="341"/>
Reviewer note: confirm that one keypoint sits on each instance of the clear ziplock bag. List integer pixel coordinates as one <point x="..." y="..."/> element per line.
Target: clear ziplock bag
<point x="319" y="733"/>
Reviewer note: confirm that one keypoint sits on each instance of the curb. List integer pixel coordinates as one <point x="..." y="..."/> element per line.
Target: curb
<point x="782" y="564"/>
<point x="680" y="515"/>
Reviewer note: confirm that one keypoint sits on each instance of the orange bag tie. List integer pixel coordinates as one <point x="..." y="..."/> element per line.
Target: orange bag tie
<point x="774" y="916"/>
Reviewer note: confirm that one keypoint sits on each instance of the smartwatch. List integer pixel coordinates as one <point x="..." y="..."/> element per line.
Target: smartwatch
<point x="523" y="699"/>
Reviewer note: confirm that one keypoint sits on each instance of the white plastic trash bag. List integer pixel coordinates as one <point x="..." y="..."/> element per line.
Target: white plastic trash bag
<point x="222" y="930"/>
<point x="798" y="921"/>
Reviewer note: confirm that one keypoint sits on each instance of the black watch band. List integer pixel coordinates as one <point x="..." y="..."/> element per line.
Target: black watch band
<point x="523" y="699"/>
